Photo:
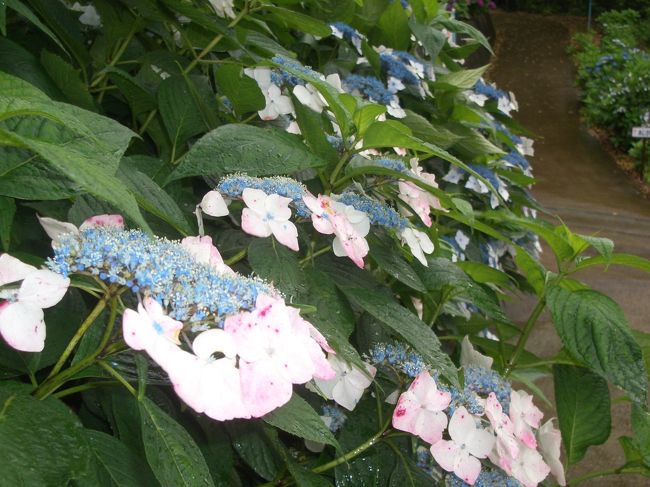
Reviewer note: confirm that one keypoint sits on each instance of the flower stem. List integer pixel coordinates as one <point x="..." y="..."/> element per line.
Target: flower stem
<point x="599" y="473"/>
<point x="311" y="257"/>
<point x="354" y="452"/>
<point x="85" y="387"/>
<point x="117" y="376"/>
<point x="90" y="319"/>
<point x="237" y="257"/>
<point x="525" y="335"/>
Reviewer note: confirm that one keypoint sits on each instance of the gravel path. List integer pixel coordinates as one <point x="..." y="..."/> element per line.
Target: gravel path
<point x="577" y="181"/>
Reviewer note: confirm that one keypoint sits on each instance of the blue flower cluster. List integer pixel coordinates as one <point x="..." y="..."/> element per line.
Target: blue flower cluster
<point x="504" y="130"/>
<point x="487" y="173"/>
<point x="515" y="159"/>
<point x="349" y="33"/>
<point x="394" y="67"/>
<point x="482" y="381"/>
<point x="290" y="63"/>
<point x="378" y="213"/>
<point x="281" y="77"/>
<point x="487" y="478"/>
<point x="233" y="186"/>
<point x="336" y="142"/>
<point x="394" y="164"/>
<point x="490" y="91"/>
<point x="336" y="415"/>
<point x="399" y="356"/>
<point x="370" y="87"/>
<point x="158" y="268"/>
<point x="466" y="397"/>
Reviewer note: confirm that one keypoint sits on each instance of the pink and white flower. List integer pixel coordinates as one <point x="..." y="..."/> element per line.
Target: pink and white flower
<point x="55" y="228"/>
<point x="204" y="252"/>
<point x="419" y="410"/>
<point x="22" y="322"/>
<point x="420" y="200"/>
<point x="276" y="103"/>
<point x="525" y="416"/>
<point x="268" y="215"/>
<point x="529" y="467"/>
<point x="549" y="445"/>
<point x="349" y="384"/>
<point x="209" y="385"/>
<point x="349" y="226"/>
<point x="507" y="446"/>
<point x="470" y="357"/>
<point x="468" y="444"/>
<point x="276" y="350"/>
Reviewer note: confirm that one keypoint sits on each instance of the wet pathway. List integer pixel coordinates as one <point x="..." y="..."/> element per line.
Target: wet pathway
<point x="577" y="181"/>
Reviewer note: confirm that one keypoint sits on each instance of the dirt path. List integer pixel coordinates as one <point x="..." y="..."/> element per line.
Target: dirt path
<point x="577" y="181"/>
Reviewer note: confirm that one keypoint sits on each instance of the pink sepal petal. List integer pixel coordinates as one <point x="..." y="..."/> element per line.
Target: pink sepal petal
<point x="116" y="221"/>
<point x="263" y="389"/>
<point x="213" y="204"/>
<point x="43" y="288"/>
<point x="12" y="269"/>
<point x="22" y="326"/>
<point x="55" y="228"/>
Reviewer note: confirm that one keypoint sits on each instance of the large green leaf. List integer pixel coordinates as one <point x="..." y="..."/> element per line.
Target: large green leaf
<point x="179" y="110"/>
<point x="641" y="429"/>
<point x="252" y="150"/>
<point x="583" y="409"/>
<point x="172" y="453"/>
<point x="68" y="80"/>
<point x="391" y="262"/>
<point x="242" y="90"/>
<point x="255" y="448"/>
<point x="393" y="28"/>
<point x="299" y="418"/>
<point x="42" y="442"/>
<point x="7" y="213"/>
<point x="594" y="330"/>
<point x="401" y="321"/>
<point x="114" y="465"/>
<point x="461" y="80"/>
<point x="275" y="263"/>
<point x="299" y="21"/>
<point x="153" y="198"/>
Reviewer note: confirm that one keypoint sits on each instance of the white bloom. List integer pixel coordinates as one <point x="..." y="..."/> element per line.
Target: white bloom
<point x="469" y="356"/>
<point x="419" y="243"/>
<point x="213" y="204"/>
<point x="89" y="17"/>
<point x="268" y="214"/>
<point x="309" y="96"/>
<point x="276" y="104"/>
<point x="349" y="384"/>
<point x="223" y="8"/>
<point x="526" y="147"/>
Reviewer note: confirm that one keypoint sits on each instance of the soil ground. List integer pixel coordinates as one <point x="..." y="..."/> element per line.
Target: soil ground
<point x="579" y="182"/>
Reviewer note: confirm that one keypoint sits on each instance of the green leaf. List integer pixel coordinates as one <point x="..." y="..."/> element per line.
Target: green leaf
<point x="299" y="418"/>
<point x="139" y="98"/>
<point x="425" y="130"/>
<point x="242" y="90"/>
<point x="7" y="213"/>
<point x="313" y="130"/>
<point x="393" y="28"/>
<point x="366" y="115"/>
<point x="641" y="429"/>
<point x="583" y="409"/>
<point x="604" y="246"/>
<point x="461" y="80"/>
<point x="153" y="198"/>
<point x="179" y="111"/>
<point x="484" y="274"/>
<point x="391" y="262"/>
<point x="401" y="321"/>
<point x="531" y="268"/>
<point x="301" y="22"/>
<point x="67" y="79"/>
<point x="114" y="463"/>
<point x="20" y="7"/>
<point x="255" y="448"/>
<point x="594" y="330"/>
<point x="83" y="169"/>
<point x="244" y="148"/>
<point x="459" y="27"/>
<point x="627" y="260"/>
<point x="275" y="263"/>
<point x="431" y="38"/>
<point x="42" y="442"/>
<point x="172" y="453"/>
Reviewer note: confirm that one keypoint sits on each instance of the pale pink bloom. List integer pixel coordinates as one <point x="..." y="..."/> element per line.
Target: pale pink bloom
<point x="55" y="228"/>
<point x="207" y="384"/>
<point x="525" y="416"/>
<point x="420" y="200"/>
<point x="22" y="322"/>
<point x="470" y="357"/>
<point x="268" y="215"/>
<point x="529" y="468"/>
<point x="213" y="204"/>
<point x="203" y="251"/>
<point x="276" y="350"/>
<point x="150" y="329"/>
<point x="419" y="243"/>
<point x="549" y="444"/>
<point x="349" y="384"/>
<point x="507" y="448"/>
<point x="261" y="75"/>
<point x="349" y="226"/>
<point x="419" y="409"/>
<point x="468" y="443"/>
<point x="276" y="104"/>
<point x="400" y="151"/>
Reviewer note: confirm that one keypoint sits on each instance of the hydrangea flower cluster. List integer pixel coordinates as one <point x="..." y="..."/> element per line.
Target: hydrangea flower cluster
<point x="398" y="356"/>
<point x="462" y="438"/>
<point x="159" y="268"/>
<point x="373" y="89"/>
<point x="506" y="102"/>
<point x="455" y="175"/>
<point x="341" y="30"/>
<point x="402" y="69"/>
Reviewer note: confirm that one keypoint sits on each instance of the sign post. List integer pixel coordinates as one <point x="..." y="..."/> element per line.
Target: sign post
<point x="643" y="132"/>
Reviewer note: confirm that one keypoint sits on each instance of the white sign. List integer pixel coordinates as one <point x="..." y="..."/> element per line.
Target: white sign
<point x="641" y="132"/>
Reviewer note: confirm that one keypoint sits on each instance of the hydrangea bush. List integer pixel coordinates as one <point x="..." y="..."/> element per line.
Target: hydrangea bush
<point x="268" y="243"/>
